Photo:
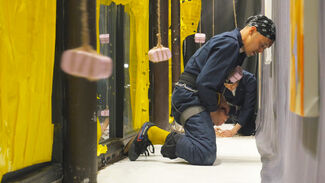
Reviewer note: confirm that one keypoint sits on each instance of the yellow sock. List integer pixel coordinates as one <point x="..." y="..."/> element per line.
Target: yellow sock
<point x="157" y="136"/>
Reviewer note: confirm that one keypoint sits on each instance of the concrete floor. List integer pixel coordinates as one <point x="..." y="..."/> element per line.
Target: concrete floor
<point x="237" y="162"/>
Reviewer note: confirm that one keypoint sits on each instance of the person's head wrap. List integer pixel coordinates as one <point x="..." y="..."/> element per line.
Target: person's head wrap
<point x="264" y="25"/>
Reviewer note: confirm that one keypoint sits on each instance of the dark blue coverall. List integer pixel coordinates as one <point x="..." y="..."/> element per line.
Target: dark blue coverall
<point x="242" y="104"/>
<point x="211" y="64"/>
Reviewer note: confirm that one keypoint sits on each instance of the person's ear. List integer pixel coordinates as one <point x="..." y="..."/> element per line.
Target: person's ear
<point x="252" y="29"/>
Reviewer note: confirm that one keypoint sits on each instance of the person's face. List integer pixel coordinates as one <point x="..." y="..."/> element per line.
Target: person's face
<point x="222" y="117"/>
<point x="256" y="42"/>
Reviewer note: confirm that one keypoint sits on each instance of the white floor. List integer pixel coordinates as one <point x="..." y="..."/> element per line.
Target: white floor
<point x="237" y="162"/>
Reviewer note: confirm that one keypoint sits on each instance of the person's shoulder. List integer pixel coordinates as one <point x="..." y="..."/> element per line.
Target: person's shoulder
<point x="248" y="74"/>
<point x="224" y="40"/>
<point x="229" y="38"/>
<point x="248" y="77"/>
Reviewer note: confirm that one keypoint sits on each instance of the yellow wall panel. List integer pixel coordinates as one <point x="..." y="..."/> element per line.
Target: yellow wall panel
<point x="27" y="46"/>
<point x="139" y="61"/>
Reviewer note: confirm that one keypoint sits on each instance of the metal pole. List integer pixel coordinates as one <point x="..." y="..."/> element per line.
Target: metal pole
<point x="175" y="25"/>
<point x="80" y="152"/>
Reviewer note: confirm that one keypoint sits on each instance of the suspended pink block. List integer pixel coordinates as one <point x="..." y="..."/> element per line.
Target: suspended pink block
<point x="85" y="64"/>
<point x="236" y="74"/>
<point x="104" y="112"/>
<point x="104" y="38"/>
<point x="159" y="54"/>
<point x="199" y="38"/>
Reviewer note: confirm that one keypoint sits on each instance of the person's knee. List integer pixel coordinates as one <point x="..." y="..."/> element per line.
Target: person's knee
<point x="204" y="156"/>
<point x="208" y="158"/>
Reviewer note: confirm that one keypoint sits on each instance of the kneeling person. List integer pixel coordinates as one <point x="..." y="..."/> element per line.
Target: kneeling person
<point x="195" y="100"/>
<point x="241" y="97"/>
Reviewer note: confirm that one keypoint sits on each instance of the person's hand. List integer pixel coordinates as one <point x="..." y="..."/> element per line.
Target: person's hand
<point x="218" y="117"/>
<point x="228" y="133"/>
<point x="218" y="131"/>
<point x="224" y="133"/>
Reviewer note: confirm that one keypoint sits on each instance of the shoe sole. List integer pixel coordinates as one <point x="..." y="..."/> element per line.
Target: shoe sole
<point x="128" y="145"/>
<point x="126" y="150"/>
<point x="132" y="156"/>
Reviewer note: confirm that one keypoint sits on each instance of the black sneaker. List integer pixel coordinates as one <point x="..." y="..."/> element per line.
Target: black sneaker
<point x="139" y="144"/>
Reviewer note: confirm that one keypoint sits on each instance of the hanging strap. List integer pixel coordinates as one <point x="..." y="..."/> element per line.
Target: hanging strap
<point x="235" y="14"/>
<point x="84" y="26"/>
<point x="189" y="112"/>
<point x="159" y="31"/>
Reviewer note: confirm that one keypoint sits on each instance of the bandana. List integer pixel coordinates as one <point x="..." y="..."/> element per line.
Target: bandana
<point x="264" y="25"/>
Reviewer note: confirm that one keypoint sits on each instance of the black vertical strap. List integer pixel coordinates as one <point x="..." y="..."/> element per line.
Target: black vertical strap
<point x="111" y="18"/>
<point x="206" y="18"/>
<point x="58" y="88"/>
<point x="153" y="26"/>
<point x="119" y="72"/>
<point x="189" y="48"/>
<point x="80" y="152"/>
<point x="175" y="25"/>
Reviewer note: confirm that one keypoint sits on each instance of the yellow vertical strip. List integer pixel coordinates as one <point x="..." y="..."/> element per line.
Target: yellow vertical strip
<point x="170" y="65"/>
<point x="297" y="57"/>
<point x="300" y="32"/>
<point x="27" y="47"/>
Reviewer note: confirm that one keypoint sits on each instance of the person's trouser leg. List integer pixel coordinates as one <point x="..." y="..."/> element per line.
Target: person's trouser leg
<point x="198" y="145"/>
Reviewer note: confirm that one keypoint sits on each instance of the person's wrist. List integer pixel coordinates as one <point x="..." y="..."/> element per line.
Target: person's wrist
<point x="237" y="127"/>
<point x="234" y="131"/>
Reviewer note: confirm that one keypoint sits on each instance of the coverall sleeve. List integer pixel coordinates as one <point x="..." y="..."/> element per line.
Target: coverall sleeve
<point x="212" y="76"/>
<point x="248" y="107"/>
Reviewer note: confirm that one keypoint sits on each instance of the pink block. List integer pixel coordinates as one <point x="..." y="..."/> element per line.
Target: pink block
<point x="104" y="112"/>
<point x="236" y="75"/>
<point x="159" y="54"/>
<point x="85" y="64"/>
<point x="199" y="38"/>
<point x="104" y="38"/>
